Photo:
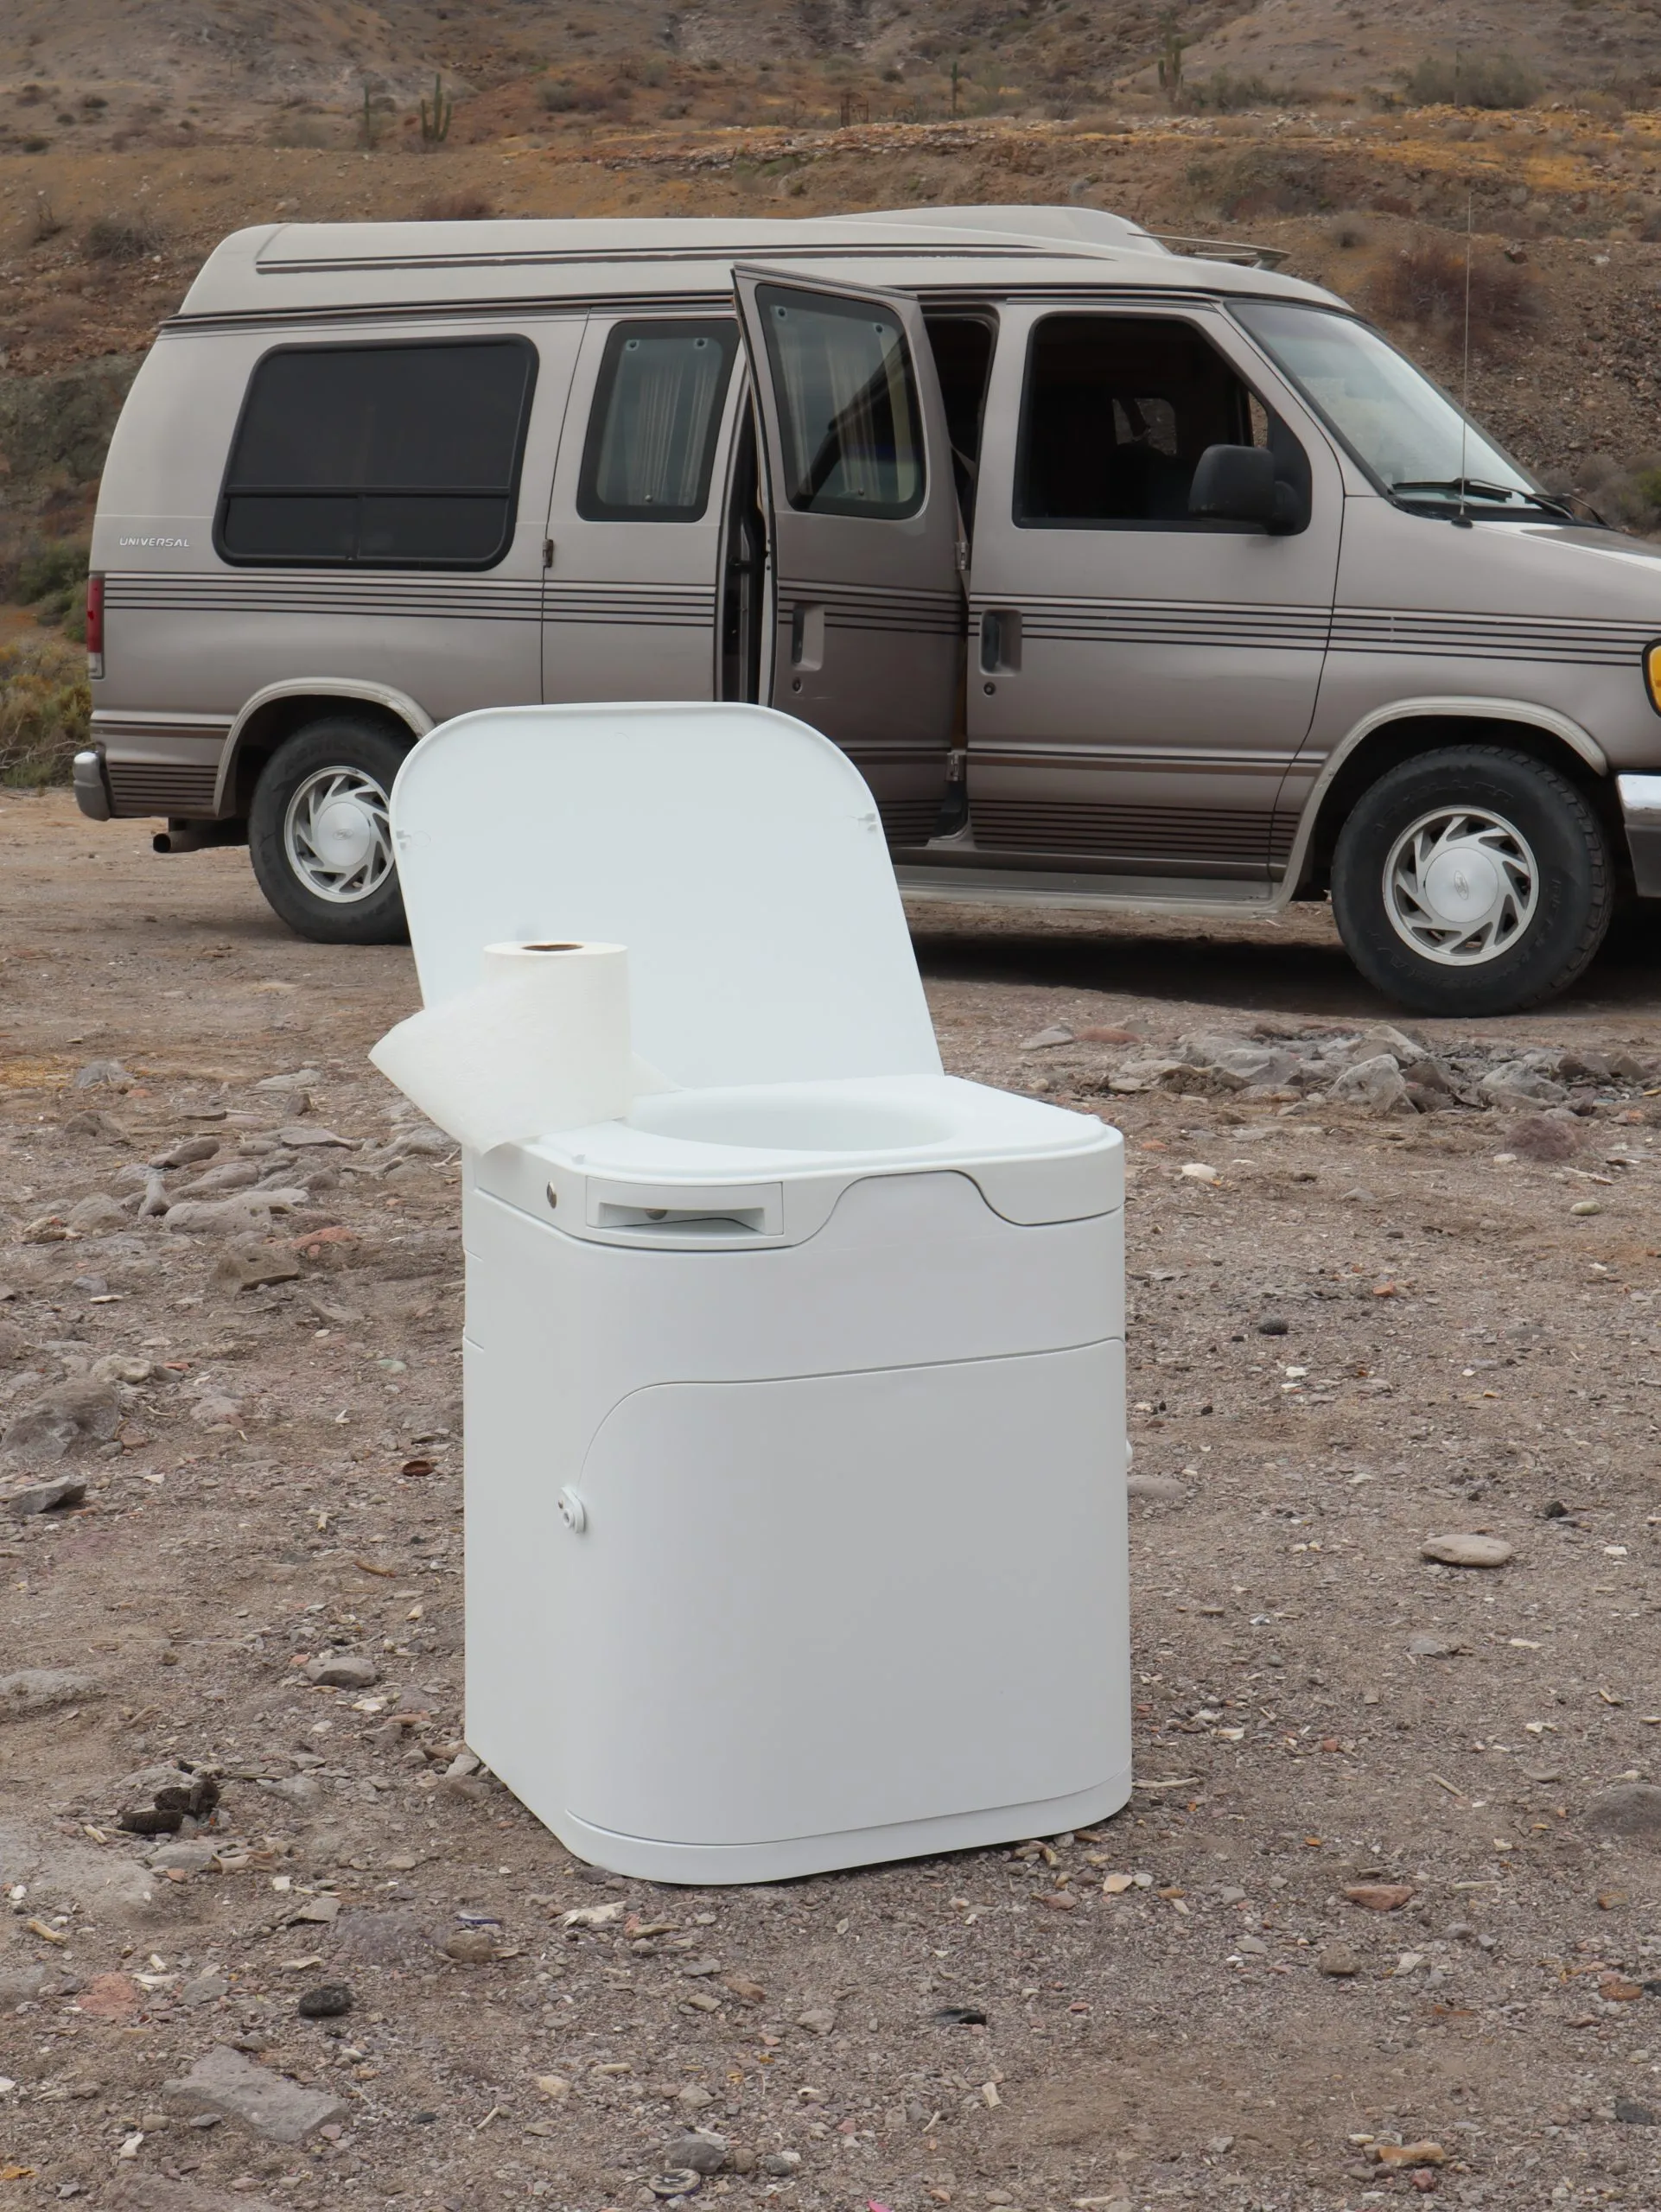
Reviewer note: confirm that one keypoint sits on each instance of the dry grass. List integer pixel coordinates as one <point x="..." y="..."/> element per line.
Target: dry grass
<point x="123" y="237"/>
<point x="46" y="707"/>
<point x="1424" y="286"/>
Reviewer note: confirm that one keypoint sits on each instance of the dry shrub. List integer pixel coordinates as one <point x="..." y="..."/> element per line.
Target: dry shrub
<point x="1424" y="285"/>
<point x="1492" y="80"/>
<point x="1261" y="182"/>
<point x="46" y="710"/>
<point x="123" y="237"/>
<point x="456" y="208"/>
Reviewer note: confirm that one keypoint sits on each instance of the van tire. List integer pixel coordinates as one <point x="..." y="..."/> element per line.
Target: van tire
<point x="1472" y="881"/>
<point x="330" y="783"/>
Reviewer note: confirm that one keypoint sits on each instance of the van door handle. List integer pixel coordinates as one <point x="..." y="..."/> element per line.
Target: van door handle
<point x="1000" y="640"/>
<point x="807" y="635"/>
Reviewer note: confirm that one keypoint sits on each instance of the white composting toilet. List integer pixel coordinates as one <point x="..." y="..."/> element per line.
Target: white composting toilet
<point x="795" y="1420"/>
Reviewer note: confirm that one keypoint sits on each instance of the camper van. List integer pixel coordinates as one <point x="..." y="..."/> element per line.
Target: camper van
<point x="1129" y="576"/>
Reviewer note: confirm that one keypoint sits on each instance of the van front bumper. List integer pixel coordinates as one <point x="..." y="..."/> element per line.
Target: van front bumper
<point x="92" y="790"/>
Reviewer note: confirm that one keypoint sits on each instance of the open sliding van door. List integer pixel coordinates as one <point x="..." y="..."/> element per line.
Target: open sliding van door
<point x="868" y="608"/>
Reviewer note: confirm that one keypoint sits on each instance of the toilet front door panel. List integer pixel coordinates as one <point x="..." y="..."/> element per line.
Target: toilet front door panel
<point x="800" y="1607"/>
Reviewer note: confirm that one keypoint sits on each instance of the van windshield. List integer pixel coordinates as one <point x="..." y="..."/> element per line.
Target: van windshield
<point x="1406" y="433"/>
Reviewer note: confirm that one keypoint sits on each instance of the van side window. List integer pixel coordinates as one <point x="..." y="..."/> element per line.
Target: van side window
<point x="1118" y="410"/>
<point x="657" y="416"/>
<point x="848" y="408"/>
<point x="379" y="456"/>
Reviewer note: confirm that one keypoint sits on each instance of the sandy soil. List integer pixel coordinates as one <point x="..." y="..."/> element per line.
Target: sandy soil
<point x="274" y="1470"/>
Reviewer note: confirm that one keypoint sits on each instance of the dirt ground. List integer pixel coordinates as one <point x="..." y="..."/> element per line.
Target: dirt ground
<point x="272" y="1491"/>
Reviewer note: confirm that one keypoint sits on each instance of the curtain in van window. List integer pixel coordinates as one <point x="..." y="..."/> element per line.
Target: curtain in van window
<point x="657" y="416"/>
<point x="381" y="456"/>
<point x="847" y="397"/>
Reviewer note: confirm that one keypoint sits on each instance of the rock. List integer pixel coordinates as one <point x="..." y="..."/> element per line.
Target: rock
<point x="20" y="1986"/>
<point x="205" y="1989"/>
<point x="121" y="1367"/>
<point x="96" y="1215"/>
<point x="471" y="1947"/>
<point x="304" y="1133"/>
<point x="1273" y="1326"/>
<point x="224" y="2081"/>
<point x="818" y="2021"/>
<point x="70" y="1414"/>
<point x="1338" y="1963"/>
<point x="1631" y="1810"/>
<point x="1432" y="1647"/>
<point x="1156" y="1490"/>
<point x="112" y="1891"/>
<point x="158" y="1800"/>
<point x="1375" y="1085"/>
<point x="343" y="1670"/>
<point x="239" y="1215"/>
<point x="213" y="1410"/>
<point x="1515" y="1083"/>
<point x="327" y="2001"/>
<point x="1246" y="1059"/>
<point x="39" y="1689"/>
<point x="681" y="2183"/>
<point x="780" y="2162"/>
<point x="102" y="1075"/>
<point x="248" y="1264"/>
<point x="1400" y="2156"/>
<point x="190" y="1855"/>
<point x="741" y="1986"/>
<point x="1585" y="1207"/>
<point x="1047" y="1039"/>
<point x="1544" y="1137"/>
<point x="229" y="1175"/>
<point x="704" y="2152"/>
<point x="1196" y="1171"/>
<point x="298" y="1079"/>
<point x="186" y="1152"/>
<point x="303" y="1791"/>
<point x="1466" y="1550"/>
<point x="1631" y="2115"/>
<point x="1380" y="1897"/>
<point x="46" y="1498"/>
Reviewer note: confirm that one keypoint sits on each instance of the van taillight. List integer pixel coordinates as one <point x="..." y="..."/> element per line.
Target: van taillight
<point x="95" y="623"/>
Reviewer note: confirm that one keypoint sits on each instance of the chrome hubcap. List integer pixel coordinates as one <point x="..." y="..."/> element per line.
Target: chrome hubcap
<point x="337" y="837"/>
<point x="1460" y="886"/>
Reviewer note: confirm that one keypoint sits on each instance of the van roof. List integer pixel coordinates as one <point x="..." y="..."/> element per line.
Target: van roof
<point x="283" y="269"/>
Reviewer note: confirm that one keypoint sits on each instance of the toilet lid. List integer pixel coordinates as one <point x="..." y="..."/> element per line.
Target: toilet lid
<point x="735" y="852"/>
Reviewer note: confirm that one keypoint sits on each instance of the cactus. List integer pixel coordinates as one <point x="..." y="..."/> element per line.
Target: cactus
<point x="436" y="126"/>
<point x="1172" y="46"/>
<point x="366" y="122"/>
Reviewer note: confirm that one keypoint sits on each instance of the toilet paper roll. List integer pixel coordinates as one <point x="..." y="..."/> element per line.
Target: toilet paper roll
<point x="541" y="1043"/>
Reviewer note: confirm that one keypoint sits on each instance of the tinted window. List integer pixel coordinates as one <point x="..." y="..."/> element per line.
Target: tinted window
<point x="379" y="456"/>
<point x="847" y="394"/>
<point x="656" y="417"/>
<point x="1116" y="412"/>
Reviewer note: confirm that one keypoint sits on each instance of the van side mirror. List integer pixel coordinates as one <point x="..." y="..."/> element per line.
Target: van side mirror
<point x="1235" y="483"/>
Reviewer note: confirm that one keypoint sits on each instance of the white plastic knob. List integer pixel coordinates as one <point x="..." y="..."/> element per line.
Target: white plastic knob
<point x="572" y="1510"/>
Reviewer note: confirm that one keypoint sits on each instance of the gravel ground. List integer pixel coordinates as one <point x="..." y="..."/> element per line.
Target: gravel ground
<point x="1389" y="1879"/>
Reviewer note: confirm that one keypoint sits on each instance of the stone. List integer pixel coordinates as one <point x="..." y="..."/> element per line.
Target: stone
<point x="96" y="1215"/>
<point x="213" y="1410"/>
<point x="1631" y="1810"/>
<point x="297" y="1079"/>
<point x="158" y="1800"/>
<point x="1156" y="1490"/>
<point x="205" y="1989"/>
<point x="1544" y="1137"/>
<point x="121" y="1367"/>
<point x="1048" y="1039"/>
<point x="70" y="1414"/>
<point x="1246" y="1059"/>
<point x="41" y="1689"/>
<point x="1586" y="1207"/>
<point x="102" y="1075"/>
<point x="1461" y="1550"/>
<point x="704" y="2152"/>
<point x="186" y="1855"/>
<point x="818" y="2021"/>
<point x="20" y="1986"/>
<point x="305" y="1133"/>
<point x="1632" y="2115"/>
<point x="186" y="1152"/>
<point x="46" y="1498"/>
<point x="225" y="2080"/>
<point x="1515" y="1083"/>
<point x="470" y="1947"/>
<point x="1338" y="1963"/>
<point x="681" y="2182"/>
<point x="229" y="1175"/>
<point x="343" y="1670"/>
<point x="1380" y="1897"/>
<point x="240" y="1215"/>
<point x="112" y="1891"/>
<point x="1273" y="1326"/>
<point x="1432" y="1647"/>
<point x="779" y="2164"/>
<point x="328" y="2000"/>
<point x="1401" y="2156"/>
<point x="1375" y="1085"/>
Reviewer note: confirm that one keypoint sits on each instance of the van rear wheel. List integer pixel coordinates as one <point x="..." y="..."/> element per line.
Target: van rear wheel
<point x="1472" y="881"/>
<point x="319" y="835"/>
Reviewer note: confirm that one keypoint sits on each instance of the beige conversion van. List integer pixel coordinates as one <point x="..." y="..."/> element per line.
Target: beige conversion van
<point x="1128" y="578"/>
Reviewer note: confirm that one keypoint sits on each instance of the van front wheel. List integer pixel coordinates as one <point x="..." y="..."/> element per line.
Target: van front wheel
<point x="1472" y="881"/>
<point x="319" y="836"/>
